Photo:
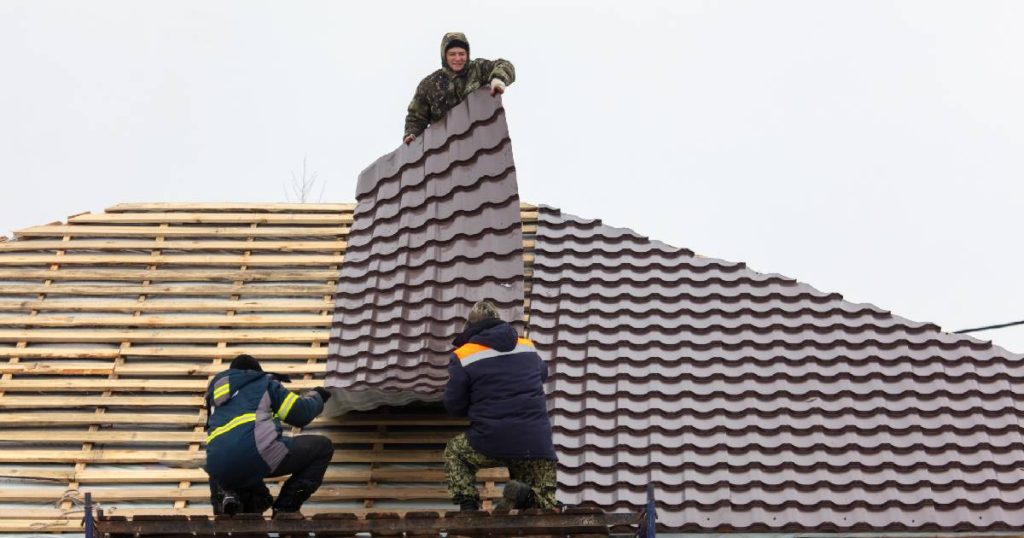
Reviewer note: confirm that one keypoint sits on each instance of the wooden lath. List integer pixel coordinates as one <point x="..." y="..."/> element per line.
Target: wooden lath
<point x="111" y="324"/>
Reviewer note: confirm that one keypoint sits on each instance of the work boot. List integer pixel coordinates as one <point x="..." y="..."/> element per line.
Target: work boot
<point x="291" y="497"/>
<point x="469" y="505"/>
<point x="516" y="496"/>
<point x="256" y="500"/>
<point x="230" y="504"/>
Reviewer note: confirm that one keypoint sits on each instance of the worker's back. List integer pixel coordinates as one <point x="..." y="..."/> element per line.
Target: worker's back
<point x="232" y="452"/>
<point x="497" y="380"/>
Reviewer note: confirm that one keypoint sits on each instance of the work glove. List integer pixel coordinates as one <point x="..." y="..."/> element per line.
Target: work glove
<point x="324" y="393"/>
<point x="497" y="86"/>
<point x="409" y="138"/>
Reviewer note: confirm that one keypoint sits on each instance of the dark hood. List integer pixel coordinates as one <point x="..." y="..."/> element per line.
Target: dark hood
<point x="448" y="38"/>
<point x="240" y="378"/>
<point x="493" y="333"/>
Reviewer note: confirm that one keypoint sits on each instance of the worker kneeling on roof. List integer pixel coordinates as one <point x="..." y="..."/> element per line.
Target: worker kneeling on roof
<point x="244" y="443"/>
<point x="497" y="380"/>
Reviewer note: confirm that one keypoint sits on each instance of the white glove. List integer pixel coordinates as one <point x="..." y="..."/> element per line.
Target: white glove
<point x="497" y="86"/>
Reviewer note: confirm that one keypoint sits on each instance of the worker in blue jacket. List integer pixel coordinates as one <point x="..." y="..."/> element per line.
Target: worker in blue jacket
<point x="497" y="380"/>
<point x="244" y="443"/>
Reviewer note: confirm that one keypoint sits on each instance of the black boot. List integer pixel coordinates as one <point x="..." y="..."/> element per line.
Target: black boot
<point x="469" y="505"/>
<point x="230" y="504"/>
<point x="290" y="500"/>
<point x="256" y="500"/>
<point x="516" y="496"/>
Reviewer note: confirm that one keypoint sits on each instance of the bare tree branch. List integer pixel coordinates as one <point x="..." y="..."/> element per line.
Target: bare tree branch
<point x="301" y="187"/>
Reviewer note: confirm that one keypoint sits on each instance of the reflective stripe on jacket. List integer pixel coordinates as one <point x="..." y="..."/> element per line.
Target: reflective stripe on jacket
<point x="497" y="380"/>
<point x="243" y="432"/>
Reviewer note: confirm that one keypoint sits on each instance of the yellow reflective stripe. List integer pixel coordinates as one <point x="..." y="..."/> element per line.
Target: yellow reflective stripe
<point x="235" y="422"/>
<point x="221" y="390"/>
<point x="286" y="407"/>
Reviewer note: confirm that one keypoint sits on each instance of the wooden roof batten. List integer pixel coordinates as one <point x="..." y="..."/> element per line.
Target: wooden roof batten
<point x="111" y="324"/>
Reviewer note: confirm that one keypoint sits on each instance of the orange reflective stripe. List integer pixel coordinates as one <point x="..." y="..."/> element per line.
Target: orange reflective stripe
<point x="526" y="342"/>
<point x="469" y="349"/>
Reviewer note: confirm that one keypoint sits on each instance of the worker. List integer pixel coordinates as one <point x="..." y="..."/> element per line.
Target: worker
<point x="458" y="77"/>
<point x="497" y="380"/>
<point x="244" y="443"/>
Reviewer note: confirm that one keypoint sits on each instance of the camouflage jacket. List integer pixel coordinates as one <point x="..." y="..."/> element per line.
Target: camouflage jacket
<point x="440" y="91"/>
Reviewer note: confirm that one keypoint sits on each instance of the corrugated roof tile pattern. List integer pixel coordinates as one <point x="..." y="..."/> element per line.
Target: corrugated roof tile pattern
<point x="437" y="227"/>
<point x="756" y="403"/>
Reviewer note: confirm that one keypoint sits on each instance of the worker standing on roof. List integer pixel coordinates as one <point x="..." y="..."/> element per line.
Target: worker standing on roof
<point x="458" y="77"/>
<point x="497" y="380"/>
<point x="245" y="444"/>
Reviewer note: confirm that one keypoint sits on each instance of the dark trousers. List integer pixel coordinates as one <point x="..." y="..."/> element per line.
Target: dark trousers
<point x="306" y="462"/>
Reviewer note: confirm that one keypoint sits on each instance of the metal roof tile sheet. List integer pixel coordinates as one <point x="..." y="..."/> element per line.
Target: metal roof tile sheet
<point x="436" y="227"/>
<point x="756" y="403"/>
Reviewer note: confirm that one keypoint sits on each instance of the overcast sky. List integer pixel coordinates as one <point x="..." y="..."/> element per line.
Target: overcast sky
<point x="871" y="148"/>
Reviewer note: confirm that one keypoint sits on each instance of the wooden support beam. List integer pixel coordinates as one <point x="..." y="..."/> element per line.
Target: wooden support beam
<point x="121" y="385"/>
<point x="331" y="245"/>
<point x="64" y="402"/>
<point x="203" y="493"/>
<point x="163" y="437"/>
<point x="108" y="437"/>
<point x="174" y="297"/>
<point x="266" y="274"/>
<point x="59" y="230"/>
<point x="333" y="475"/>
<point x="221" y="207"/>
<point x="281" y="336"/>
<point x="31" y="419"/>
<point x="270" y="207"/>
<point x="170" y="457"/>
<point x="148" y="369"/>
<point x="8" y="420"/>
<point x="184" y="458"/>
<point x="192" y="320"/>
<point x="42" y="526"/>
<point x="170" y="259"/>
<point x="167" y="289"/>
<point x="304" y="219"/>
<point x="281" y="352"/>
<point x="166" y="306"/>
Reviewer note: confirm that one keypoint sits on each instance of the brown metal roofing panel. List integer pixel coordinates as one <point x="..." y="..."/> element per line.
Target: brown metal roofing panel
<point x="437" y="227"/>
<point x="756" y="403"/>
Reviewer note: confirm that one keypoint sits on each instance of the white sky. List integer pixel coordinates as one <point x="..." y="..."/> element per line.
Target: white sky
<point x="866" y="147"/>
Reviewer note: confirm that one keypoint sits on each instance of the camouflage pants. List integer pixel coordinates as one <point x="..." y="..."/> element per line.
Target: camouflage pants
<point x="461" y="463"/>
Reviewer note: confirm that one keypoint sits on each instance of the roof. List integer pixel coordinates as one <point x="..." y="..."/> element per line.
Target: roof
<point x="437" y="227"/>
<point x="752" y="401"/>
<point x="756" y="403"/>
<point x="110" y="326"/>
